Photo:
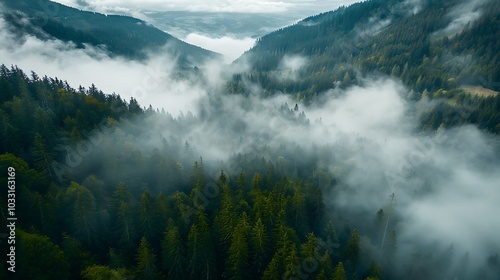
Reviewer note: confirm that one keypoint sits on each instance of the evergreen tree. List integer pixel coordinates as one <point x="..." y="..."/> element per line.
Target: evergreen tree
<point x="259" y="241"/>
<point x="173" y="258"/>
<point x="339" y="273"/>
<point x="84" y="220"/>
<point x="147" y="215"/>
<point x="100" y="272"/>
<point x="237" y="261"/>
<point x="146" y="262"/>
<point x="51" y="263"/>
<point x="352" y="247"/>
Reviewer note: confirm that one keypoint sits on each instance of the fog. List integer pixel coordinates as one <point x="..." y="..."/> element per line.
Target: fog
<point x="462" y="14"/>
<point x="301" y="8"/>
<point x="230" y="48"/>
<point x="150" y="82"/>
<point x="445" y="183"/>
<point x="413" y="6"/>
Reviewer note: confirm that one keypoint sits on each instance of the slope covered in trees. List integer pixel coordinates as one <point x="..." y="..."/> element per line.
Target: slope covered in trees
<point x="160" y="213"/>
<point x="119" y="35"/>
<point x="108" y="189"/>
<point x="413" y="43"/>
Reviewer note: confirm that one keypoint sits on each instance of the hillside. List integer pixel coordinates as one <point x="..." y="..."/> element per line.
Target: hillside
<point x="345" y="152"/>
<point x="384" y="37"/>
<point x="119" y="35"/>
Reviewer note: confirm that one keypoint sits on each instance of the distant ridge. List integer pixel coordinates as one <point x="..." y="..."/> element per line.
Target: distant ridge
<point x="389" y="37"/>
<point x="119" y="35"/>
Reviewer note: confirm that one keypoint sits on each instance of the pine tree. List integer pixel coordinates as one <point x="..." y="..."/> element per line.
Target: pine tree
<point x="339" y="273"/>
<point x="200" y="262"/>
<point x="147" y="215"/>
<point x="122" y="218"/>
<point x="51" y="263"/>
<point x="173" y="257"/>
<point x="84" y="221"/>
<point x="321" y="275"/>
<point x="292" y="263"/>
<point x="298" y="211"/>
<point x="98" y="272"/>
<point x="194" y="254"/>
<point x="352" y="247"/>
<point x="146" y="262"/>
<point x="42" y="156"/>
<point x="310" y="248"/>
<point x="237" y="261"/>
<point x="259" y="245"/>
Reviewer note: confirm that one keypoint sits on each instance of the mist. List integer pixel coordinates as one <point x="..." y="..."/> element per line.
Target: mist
<point x="445" y="183"/>
<point x="461" y="15"/>
<point x="150" y="82"/>
<point x="230" y="48"/>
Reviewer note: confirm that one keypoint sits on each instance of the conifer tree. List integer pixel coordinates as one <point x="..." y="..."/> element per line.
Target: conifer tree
<point x="173" y="257"/>
<point x="146" y="262"/>
<point x="339" y="273"/>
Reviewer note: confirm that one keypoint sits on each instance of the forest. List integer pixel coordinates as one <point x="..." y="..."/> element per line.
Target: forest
<point x="145" y="216"/>
<point x="351" y="145"/>
<point x="95" y="202"/>
<point x="379" y="37"/>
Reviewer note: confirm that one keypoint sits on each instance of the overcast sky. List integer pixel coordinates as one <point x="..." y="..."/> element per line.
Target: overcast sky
<point x="302" y="8"/>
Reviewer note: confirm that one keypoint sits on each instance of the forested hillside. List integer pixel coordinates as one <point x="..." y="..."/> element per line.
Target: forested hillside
<point x="342" y="47"/>
<point x="118" y="35"/>
<point x="131" y="213"/>
<point x="360" y="143"/>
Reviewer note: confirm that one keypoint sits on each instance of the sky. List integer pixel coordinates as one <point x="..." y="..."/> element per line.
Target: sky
<point x="299" y="7"/>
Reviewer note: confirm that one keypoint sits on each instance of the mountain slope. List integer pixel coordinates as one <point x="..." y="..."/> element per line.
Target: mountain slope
<point x="419" y="46"/>
<point x="120" y="35"/>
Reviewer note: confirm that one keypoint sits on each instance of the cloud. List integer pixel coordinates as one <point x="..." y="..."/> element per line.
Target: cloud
<point x="303" y="7"/>
<point x="231" y="48"/>
<point x="289" y="68"/>
<point x="461" y="15"/>
<point x="150" y="82"/>
<point x="412" y="6"/>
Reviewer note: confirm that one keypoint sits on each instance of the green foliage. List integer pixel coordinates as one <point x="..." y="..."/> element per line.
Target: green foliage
<point x="173" y="257"/>
<point x="259" y="241"/>
<point x="237" y="261"/>
<point x="100" y="272"/>
<point x="146" y="262"/>
<point x="352" y="247"/>
<point x="39" y="258"/>
<point x="88" y="221"/>
<point x="339" y="273"/>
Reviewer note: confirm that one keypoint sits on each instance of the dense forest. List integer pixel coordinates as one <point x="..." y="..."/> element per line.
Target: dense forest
<point x="362" y="143"/>
<point x="146" y="215"/>
<point x="95" y="202"/>
<point x="344" y="46"/>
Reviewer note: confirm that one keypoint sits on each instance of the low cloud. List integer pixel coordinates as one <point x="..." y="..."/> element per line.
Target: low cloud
<point x="301" y="8"/>
<point x="231" y="48"/>
<point x="289" y="68"/>
<point x="150" y="82"/>
<point x="412" y="6"/>
<point x="461" y="15"/>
